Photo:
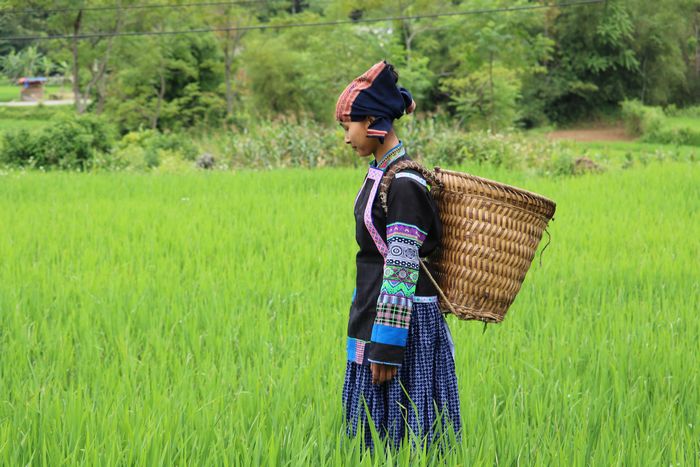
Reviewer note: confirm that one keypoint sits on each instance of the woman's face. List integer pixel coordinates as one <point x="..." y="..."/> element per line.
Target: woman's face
<point x="356" y="136"/>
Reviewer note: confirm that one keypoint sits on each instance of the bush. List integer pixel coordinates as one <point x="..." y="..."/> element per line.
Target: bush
<point x="693" y="111"/>
<point x="67" y="143"/>
<point x="38" y="112"/>
<point x="640" y="119"/>
<point x="145" y="149"/>
<point x="446" y="146"/>
<point x="288" y="143"/>
<point x="655" y="126"/>
<point x="667" y="135"/>
<point x="285" y="142"/>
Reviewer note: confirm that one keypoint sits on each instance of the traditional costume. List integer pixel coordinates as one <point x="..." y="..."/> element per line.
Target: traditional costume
<point x="394" y="316"/>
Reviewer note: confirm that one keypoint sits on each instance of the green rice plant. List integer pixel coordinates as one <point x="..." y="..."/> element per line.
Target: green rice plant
<point x="200" y="318"/>
<point x="9" y="92"/>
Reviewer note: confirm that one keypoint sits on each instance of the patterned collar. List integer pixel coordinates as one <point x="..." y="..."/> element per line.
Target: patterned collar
<point x="391" y="155"/>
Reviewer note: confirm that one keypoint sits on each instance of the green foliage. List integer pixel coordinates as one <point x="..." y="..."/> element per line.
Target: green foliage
<point x="284" y="143"/>
<point x="195" y="108"/>
<point x="486" y="98"/>
<point x="28" y="62"/>
<point x="292" y="72"/>
<point x="606" y="55"/>
<point x="489" y="70"/>
<point x="674" y="135"/>
<point x="655" y="127"/>
<point x="513" y="151"/>
<point x="170" y="85"/>
<point x="275" y="72"/>
<point x="147" y="149"/>
<point x="67" y="143"/>
<point x="640" y="119"/>
<point x="692" y="111"/>
<point x="38" y="112"/>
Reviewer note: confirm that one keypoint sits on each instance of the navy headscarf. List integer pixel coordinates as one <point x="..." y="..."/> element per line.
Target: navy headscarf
<point x="375" y="93"/>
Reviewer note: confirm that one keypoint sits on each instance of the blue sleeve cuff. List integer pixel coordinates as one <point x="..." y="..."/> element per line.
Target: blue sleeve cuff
<point x="389" y="335"/>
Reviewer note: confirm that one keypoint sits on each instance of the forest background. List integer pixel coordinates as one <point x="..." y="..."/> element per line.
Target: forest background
<point x="253" y="88"/>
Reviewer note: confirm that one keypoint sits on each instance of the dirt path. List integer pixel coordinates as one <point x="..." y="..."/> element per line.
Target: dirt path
<point x="591" y="134"/>
<point x="34" y="104"/>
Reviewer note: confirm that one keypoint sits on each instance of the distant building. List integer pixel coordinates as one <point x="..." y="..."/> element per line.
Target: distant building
<point x="32" y="89"/>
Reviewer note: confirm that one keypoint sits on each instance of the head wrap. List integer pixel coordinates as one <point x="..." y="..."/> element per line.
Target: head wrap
<point x="375" y="93"/>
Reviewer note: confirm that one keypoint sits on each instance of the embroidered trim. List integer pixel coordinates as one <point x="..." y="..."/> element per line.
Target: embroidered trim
<point x="415" y="177"/>
<point x="356" y="350"/>
<point x="347" y="98"/>
<point x="376" y="176"/>
<point x="395" y="302"/>
<point x="408" y="232"/>
<point x="393" y="154"/>
<point x="424" y="299"/>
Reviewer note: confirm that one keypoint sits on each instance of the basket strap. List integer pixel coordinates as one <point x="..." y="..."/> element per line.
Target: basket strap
<point x="434" y="182"/>
<point x="442" y="294"/>
<point x="389" y="175"/>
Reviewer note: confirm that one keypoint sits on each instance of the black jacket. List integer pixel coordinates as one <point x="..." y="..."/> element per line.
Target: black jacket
<point x="388" y="272"/>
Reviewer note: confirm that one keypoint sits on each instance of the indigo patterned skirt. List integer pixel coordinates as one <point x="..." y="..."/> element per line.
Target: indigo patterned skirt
<point x="421" y="401"/>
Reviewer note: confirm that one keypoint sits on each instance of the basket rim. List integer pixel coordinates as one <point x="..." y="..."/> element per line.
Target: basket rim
<point x="545" y="218"/>
<point x="496" y="184"/>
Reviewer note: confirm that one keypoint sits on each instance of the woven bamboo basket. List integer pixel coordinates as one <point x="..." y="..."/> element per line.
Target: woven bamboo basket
<point x="490" y="235"/>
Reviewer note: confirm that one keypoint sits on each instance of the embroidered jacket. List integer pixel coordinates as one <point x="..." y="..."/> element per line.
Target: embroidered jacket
<point x="388" y="269"/>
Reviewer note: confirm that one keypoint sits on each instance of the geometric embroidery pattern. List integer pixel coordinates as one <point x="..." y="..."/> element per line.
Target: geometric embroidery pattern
<point x="394" y="153"/>
<point x="375" y="172"/>
<point x="401" y="269"/>
<point x="356" y="350"/>
<point x="374" y="175"/>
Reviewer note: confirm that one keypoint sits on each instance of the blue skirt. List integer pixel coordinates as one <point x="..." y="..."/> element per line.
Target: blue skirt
<point x="421" y="401"/>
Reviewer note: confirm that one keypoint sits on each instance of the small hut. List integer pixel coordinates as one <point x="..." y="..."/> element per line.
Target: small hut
<point x="32" y="89"/>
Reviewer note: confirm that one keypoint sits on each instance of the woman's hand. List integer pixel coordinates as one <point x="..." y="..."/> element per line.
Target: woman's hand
<point x="382" y="373"/>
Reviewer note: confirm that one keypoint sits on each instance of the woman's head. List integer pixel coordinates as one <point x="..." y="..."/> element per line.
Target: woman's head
<point x="356" y="136"/>
<point x="369" y="105"/>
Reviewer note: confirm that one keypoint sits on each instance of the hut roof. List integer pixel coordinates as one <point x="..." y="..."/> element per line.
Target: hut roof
<point x="31" y="80"/>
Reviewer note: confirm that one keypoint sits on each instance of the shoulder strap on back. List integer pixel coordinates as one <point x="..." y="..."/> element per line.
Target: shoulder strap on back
<point x="390" y="174"/>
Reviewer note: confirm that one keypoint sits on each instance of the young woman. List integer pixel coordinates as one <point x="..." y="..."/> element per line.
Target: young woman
<point x="400" y="363"/>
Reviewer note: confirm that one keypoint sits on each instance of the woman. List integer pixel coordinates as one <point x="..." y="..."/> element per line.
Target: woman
<point x="400" y="363"/>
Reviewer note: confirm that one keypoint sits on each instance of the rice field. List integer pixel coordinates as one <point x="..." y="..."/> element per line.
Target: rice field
<point x="8" y="92"/>
<point x="159" y="319"/>
<point x="11" y="92"/>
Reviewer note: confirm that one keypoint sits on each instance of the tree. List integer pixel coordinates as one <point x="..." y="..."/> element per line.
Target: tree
<point x="231" y="18"/>
<point x="28" y="62"/>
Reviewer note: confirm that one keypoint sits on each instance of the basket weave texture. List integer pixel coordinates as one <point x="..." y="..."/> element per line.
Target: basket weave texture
<point x="490" y="235"/>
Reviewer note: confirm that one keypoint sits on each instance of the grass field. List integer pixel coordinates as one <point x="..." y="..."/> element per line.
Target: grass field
<point x="623" y="153"/>
<point x="200" y="319"/>
<point x="682" y="122"/>
<point x="29" y="118"/>
<point x="8" y="92"/>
